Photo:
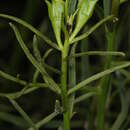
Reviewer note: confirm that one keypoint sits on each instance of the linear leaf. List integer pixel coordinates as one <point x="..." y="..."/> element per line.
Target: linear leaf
<point x="56" y="71"/>
<point x="47" y="53"/>
<point x="36" y="64"/>
<point x="84" y="97"/>
<point x="28" y="89"/>
<point x="46" y="120"/>
<point x="92" y="29"/>
<point x="45" y="56"/>
<point x="101" y="53"/>
<point x="36" y="74"/>
<point x="35" y="49"/>
<point x="97" y="76"/>
<point x="23" y="114"/>
<point x="16" y="120"/>
<point x="12" y="78"/>
<point x="30" y="27"/>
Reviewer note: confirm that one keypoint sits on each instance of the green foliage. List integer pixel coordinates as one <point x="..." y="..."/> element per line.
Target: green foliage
<point x="56" y="12"/>
<point x="68" y="88"/>
<point x="85" y="11"/>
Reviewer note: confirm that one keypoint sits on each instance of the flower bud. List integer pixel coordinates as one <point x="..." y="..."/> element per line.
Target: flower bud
<point x="85" y="12"/>
<point x="56" y="10"/>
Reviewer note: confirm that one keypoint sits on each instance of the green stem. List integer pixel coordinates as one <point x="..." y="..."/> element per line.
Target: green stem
<point x="66" y="9"/>
<point x="104" y="84"/>
<point x="72" y="79"/>
<point x="64" y="95"/>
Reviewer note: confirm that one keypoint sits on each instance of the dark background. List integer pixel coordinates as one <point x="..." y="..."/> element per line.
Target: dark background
<point x="40" y="103"/>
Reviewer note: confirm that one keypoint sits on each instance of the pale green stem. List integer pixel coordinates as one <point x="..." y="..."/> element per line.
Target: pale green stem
<point x="64" y="95"/>
<point x="66" y="9"/>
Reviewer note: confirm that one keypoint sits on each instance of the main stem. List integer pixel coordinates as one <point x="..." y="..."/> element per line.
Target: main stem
<point x="64" y="85"/>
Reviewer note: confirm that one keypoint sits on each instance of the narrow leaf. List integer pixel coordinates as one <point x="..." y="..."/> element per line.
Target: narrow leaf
<point x="100" y="53"/>
<point x="84" y="97"/>
<point x="23" y="114"/>
<point x="35" y="49"/>
<point x="12" y="78"/>
<point x="37" y="65"/>
<point x="35" y="76"/>
<point x="56" y="71"/>
<point x="30" y="88"/>
<point x="46" y="119"/>
<point x="11" y="118"/>
<point x="92" y="29"/>
<point x="30" y="27"/>
<point x="47" y="53"/>
<point x="97" y="76"/>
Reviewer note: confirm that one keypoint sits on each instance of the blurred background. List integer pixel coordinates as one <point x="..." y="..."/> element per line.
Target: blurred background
<point x="40" y="103"/>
